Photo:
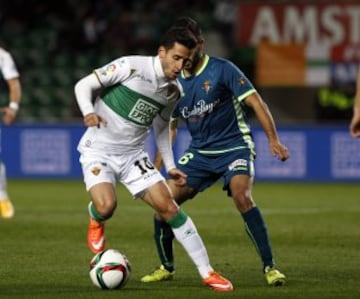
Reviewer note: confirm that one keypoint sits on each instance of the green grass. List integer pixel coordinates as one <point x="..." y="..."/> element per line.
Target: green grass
<point x="314" y="230"/>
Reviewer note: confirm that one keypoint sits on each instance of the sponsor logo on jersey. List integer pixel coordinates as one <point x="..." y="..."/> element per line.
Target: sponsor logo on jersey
<point x="148" y="176"/>
<point x="143" y="78"/>
<point x="143" y="112"/>
<point x="240" y="164"/>
<point x="201" y="108"/>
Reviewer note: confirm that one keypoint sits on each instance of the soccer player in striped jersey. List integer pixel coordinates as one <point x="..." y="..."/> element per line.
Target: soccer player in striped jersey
<point x="135" y="94"/>
<point x="213" y="107"/>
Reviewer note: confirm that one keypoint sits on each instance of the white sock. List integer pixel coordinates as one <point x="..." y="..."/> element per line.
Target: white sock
<point x="189" y="238"/>
<point x="3" y="193"/>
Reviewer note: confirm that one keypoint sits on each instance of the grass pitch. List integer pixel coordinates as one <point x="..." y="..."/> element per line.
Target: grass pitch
<point x="314" y="230"/>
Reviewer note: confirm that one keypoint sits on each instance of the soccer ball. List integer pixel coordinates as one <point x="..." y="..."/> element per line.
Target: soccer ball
<point x="110" y="269"/>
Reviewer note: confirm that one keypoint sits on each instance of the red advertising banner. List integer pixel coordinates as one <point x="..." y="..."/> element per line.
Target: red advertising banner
<point x="333" y="24"/>
<point x="328" y="34"/>
<point x="347" y="52"/>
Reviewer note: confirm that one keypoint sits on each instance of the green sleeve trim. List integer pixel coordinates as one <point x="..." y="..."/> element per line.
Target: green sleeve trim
<point x="245" y="95"/>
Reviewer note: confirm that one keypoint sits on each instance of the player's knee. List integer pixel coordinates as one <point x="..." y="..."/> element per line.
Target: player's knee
<point x="167" y="211"/>
<point x="106" y="208"/>
<point x="182" y="194"/>
<point x="243" y="200"/>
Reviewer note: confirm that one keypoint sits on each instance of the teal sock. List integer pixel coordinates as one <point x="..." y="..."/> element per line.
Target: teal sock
<point x="164" y="237"/>
<point x="256" y="229"/>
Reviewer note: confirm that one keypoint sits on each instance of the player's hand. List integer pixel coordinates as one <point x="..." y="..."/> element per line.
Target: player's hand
<point x="9" y="115"/>
<point x="178" y="176"/>
<point x="92" y="120"/>
<point x="279" y="150"/>
<point x="355" y="126"/>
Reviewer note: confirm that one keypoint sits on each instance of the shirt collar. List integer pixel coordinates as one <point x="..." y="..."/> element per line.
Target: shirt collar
<point x="158" y="69"/>
<point x="163" y="81"/>
<point x="201" y="68"/>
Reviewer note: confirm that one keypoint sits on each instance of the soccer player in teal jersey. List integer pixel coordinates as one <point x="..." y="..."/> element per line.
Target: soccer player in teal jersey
<point x="216" y="96"/>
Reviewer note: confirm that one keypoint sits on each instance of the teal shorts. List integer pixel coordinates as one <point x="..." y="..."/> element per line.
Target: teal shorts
<point x="203" y="170"/>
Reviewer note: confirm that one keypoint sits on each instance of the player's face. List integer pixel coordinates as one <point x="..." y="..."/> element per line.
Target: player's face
<point x="173" y="60"/>
<point x="195" y="57"/>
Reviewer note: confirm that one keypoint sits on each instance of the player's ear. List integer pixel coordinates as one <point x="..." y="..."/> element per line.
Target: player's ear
<point x="201" y="42"/>
<point x="161" y="51"/>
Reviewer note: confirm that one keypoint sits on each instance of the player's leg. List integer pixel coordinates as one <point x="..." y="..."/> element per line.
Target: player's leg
<point x="238" y="171"/>
<point x="6" y="207"/>
<point x="240" y="187"/>
<point x="101" y="208"/>
<point x="100" y="182"/>
<point x="199" y="177"/>
<point x="159" y="197"/>
<point x="164" y="236"/>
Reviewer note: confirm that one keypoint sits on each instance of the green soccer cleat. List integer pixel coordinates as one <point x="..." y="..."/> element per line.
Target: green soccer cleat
<point x="274" y="277"/>
<point x="160" y="274"/>
<point x="6" y="209"/>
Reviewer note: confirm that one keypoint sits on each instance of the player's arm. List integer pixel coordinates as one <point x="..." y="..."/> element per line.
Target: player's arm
<point x="355" y="121"/>
<point x="84" y="90"/>
<point x="14" y="101"/>
<point x="266" y="120"/>
<point x="158" y="161"/>
<point x="162" y="137"/>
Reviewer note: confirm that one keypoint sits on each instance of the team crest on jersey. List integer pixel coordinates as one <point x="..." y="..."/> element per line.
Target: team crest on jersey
<point x="206" y="86"/>
<point x="242" y="81"/>
<point x="96" y="170"/>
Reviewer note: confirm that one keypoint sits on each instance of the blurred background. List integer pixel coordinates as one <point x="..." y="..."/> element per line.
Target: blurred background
<point x="302" y="56"/>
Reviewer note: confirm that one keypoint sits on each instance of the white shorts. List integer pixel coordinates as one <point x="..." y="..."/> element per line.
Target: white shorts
<point x="136" y="172"/>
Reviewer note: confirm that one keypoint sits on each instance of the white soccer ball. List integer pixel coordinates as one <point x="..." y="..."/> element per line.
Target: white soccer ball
<point x="110" y="269"/>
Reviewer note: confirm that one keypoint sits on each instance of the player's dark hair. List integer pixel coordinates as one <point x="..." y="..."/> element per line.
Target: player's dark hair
<point x="179" y="35"/>
<point x="190" y="24"/>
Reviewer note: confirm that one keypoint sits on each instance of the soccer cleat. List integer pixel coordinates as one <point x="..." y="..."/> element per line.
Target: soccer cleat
<point x="218" y="283"/>
<point x="160" y="274"/>
<point x="7" y="209"/>
<point x="96" y="236"/>
<point x="274" y="277"/>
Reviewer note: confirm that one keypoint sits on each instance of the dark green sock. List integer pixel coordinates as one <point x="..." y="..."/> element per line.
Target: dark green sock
<point x="95" y="214"/>
<point x="256" y="229"/>
<point x="164" y="236"/>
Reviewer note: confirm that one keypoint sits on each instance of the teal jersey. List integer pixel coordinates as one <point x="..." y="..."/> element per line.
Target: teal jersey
<point x="213" y="109"/>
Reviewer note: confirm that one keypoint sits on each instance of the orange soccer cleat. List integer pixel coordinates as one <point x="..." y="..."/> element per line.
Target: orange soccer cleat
<point x="218" y="283"/>
<point x="96" y="236"/>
